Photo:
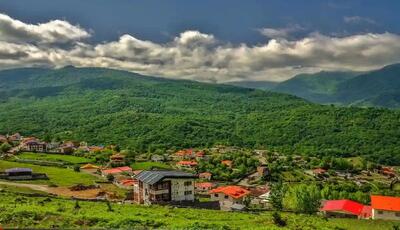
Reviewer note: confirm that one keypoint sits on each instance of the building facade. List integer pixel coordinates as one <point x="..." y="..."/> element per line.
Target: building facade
<point x="385" y="207"/>
<point x="160" y="186"/>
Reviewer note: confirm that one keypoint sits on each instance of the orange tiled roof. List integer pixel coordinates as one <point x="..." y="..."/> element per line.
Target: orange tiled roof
<point x="117" y="170"/>
<point x="184" y="152"/>
<point x="89" y="166"/>
<point x="388" y="203"/>
<point x="205" y="174"/>
<point x="232" y="191"/>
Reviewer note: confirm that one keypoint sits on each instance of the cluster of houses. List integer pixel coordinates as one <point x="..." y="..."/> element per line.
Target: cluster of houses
<point x="33" y="144"/>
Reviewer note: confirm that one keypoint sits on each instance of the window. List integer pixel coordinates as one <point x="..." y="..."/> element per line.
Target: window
<point x="226" y="197"/>
<point x="380" y="212"/>
<point x="215" y="195"/>
<point x="397" y="214"/>
<point x="188" y="192"/>
<point x="188" y="183"/>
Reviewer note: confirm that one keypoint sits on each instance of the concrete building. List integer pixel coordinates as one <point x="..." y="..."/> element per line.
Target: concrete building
<point x="161" y="186"/>
<point x="230" y="197"/>
<point x="385" y="207"/>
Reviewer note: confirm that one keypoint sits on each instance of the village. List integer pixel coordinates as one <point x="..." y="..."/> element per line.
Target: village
<point x="223" y="177"/>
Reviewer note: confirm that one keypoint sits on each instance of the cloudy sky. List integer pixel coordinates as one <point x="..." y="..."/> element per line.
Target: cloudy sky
<point x="208" y="40"/>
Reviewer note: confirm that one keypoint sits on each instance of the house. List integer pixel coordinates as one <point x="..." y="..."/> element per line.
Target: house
<point x="161" y="186"/>
<point x="94" y="149"/>
<point x="200" y="155"/>
<point x="388" y="171"/>
<point x="19" y="173"/>
<point x="90" y="168"/>
<point x="385" y="207"/>
<point x="346" y="209"/>
<point x="260" y="195"/>
<point x="117" y="158"/>
<point x="205" y="175"/>
<point x="263" y="171"/>
<point x="126" y="183"/>
<point x="116" y="171"/>
<point x="157" y="158"/>
<point x="15" y="138"/>
<point x="186" y="164"/>
<point x="230" y="197"/>
<point x="204" y="186"/>
<point x="67" y="147"/>
<point x="319" y="172"/>
<point x="33" y="145"/>
<point x="228" y="163"/>
<point x="185" y="154"/>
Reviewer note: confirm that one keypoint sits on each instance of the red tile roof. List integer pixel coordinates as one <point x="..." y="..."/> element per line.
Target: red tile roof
<point x="117" y="170"/>
<point x="388" y="203"/>
<point x="184" y="152"/>
<point x="232" y="191"/>
<point x="128" y="182"/>
<point x="188" y="163"/>
<point x="347" y="206"/>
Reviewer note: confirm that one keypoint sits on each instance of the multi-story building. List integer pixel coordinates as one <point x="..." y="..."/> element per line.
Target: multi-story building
<point x="160" y="186"/>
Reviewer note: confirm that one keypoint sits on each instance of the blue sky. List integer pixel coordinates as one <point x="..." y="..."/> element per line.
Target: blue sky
<point x="207" y="40"/>
<point x="229" y="20"/>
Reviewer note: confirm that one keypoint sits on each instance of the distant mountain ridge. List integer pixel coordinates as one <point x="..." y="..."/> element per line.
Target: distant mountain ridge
<point x="378" y="88"/>
<point x="145" y="114"/>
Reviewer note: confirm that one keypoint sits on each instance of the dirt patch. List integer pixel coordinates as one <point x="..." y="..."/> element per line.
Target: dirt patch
<point x="84" y="194"/>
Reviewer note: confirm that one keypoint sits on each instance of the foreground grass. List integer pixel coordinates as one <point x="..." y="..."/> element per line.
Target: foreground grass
<point x="58" y="176"/>
<point x="54" y="158"/>
<point x="20" y="211"/>
<point x="148" y="165"/>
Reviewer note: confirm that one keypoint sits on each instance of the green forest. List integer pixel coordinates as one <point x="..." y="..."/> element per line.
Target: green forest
<point x="144" y="114"/>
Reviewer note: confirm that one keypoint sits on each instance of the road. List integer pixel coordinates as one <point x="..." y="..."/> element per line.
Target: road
<point x="43" y="188"/>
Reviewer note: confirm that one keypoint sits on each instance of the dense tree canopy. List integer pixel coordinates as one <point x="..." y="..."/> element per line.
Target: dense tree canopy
<point x="105" y="106"/>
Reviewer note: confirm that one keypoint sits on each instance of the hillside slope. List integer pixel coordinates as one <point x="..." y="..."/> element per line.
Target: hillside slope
<point x="318" y="87"/>
<point x="106" y="106"/>
<point x="372" y="88"/>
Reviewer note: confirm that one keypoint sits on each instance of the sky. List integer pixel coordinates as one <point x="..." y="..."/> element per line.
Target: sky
<point x="208" y="40"/>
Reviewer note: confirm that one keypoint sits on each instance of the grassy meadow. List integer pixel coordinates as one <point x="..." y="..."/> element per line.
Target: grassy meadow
<point x="54" y="158"/>
<point x="57" y="176"/>
<point x="18" y="211"/>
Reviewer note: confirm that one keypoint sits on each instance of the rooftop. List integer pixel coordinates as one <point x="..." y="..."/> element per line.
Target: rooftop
<point x="388" y="203"/>
<point x="347" y="206"/>
<point x="17" y="170"/>
<point x="232" y="191"/>
<point x="152" y="177"/>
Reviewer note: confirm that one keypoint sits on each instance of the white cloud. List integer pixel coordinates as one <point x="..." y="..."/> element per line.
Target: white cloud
<point x="194" y="55"/>
<point x="285" y="32"/>
<point x="56" y="31"/>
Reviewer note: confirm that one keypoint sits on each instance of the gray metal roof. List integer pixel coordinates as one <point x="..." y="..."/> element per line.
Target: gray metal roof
<point x="152" y="177"/>
<point x="16" y="170"/>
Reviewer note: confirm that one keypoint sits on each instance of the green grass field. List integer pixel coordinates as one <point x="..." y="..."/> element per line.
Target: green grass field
<point x="18" y="211"/>
<point x="58" y="176"/>
<point x="54" y="158"/>
<point x="148" y="165"/>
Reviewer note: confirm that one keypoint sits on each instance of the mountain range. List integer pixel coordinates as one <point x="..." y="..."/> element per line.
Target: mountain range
<point x="147" y="114"/>
<point x="378" y="88"/>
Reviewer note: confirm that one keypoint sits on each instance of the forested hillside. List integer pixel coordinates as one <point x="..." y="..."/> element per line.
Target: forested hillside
<point x="143" y="113"/>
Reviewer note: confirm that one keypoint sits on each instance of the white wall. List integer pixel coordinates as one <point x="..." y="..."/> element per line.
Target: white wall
<point x="385" y="215"/>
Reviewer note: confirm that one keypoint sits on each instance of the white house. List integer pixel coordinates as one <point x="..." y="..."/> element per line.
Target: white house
<point x="230" y="197"/>
<point x="385" y="207"/>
